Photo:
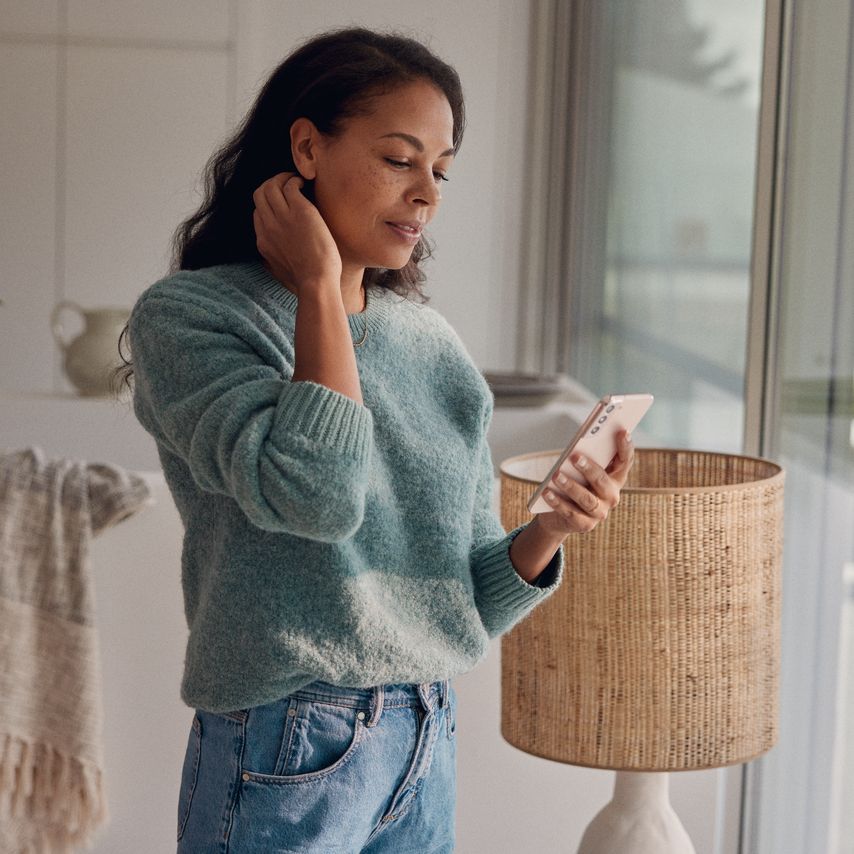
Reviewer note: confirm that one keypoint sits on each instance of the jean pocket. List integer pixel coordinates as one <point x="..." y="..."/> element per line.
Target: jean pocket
<point x="317" y="739"/>
<point x="189" y="774"/>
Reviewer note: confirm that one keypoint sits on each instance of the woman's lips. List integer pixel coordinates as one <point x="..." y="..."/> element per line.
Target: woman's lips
<point x="409" y="233"/>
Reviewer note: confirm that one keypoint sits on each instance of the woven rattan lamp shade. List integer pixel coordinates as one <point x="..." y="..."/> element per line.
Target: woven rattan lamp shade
<point x="660" y="650"/>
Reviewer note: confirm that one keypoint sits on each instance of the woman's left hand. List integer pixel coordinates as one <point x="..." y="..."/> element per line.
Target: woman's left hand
<point x="578" y="509"/>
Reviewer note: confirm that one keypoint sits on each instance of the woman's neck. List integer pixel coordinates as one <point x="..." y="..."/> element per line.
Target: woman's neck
<point x="352" y="291"/>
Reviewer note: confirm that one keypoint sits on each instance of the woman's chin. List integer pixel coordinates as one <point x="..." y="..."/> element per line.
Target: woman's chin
<point x="397" y="261"/>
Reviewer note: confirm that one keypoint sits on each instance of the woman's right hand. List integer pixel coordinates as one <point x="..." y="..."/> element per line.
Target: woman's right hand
<point x="292" y="236"/>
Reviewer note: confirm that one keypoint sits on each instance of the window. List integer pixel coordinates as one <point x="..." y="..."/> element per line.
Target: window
<point x="677" y="250"/>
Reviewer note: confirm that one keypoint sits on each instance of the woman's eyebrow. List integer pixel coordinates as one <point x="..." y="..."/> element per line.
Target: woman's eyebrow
<point x="415" y="142"/>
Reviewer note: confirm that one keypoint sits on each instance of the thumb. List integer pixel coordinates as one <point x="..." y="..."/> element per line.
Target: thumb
<point x="292" y="190"/>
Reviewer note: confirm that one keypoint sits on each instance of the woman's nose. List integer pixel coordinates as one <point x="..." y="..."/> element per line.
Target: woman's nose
<point x="426" y="191"/>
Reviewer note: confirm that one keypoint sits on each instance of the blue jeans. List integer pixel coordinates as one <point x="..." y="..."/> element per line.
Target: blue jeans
<point x="325" y="770"/>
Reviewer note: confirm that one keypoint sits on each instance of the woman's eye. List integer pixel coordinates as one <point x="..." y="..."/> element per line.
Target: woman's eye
<point x="405" y="164"/>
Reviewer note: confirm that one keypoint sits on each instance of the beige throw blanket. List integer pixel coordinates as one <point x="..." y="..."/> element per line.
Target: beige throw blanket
<point x="52" y="796"/>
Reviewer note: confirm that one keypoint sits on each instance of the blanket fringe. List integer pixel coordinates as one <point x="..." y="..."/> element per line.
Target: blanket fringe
<point x="53" y="800"/>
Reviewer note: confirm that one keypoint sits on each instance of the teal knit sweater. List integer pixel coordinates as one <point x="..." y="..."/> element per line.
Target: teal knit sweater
<point x="324" y="539"/>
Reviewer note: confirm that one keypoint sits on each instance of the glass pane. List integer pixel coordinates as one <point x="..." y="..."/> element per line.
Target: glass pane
<point x="670" y="313"/>
<point x="806" y="784"/>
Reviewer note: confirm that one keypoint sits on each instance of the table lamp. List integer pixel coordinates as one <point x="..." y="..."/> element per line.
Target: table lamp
<point x="660" y="650"/>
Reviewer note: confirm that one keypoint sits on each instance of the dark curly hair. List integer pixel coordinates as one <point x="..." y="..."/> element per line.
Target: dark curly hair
<point x="328" y="79"/>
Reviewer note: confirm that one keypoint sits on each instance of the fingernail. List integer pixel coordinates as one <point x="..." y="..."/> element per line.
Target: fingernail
<point x="549" y="496"/>
<point x="561" y="478"/>
<point x="581" y="462"/>
<point x="628" y="437"/>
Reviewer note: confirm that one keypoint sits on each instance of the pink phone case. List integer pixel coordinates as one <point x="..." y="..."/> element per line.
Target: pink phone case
<point x="596" y="439"/>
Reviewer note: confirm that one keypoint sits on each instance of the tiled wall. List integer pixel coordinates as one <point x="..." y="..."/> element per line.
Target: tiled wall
<point x="109" y="113"/>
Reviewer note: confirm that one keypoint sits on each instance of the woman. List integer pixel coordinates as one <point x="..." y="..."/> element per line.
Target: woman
<point x="324" y="439"/>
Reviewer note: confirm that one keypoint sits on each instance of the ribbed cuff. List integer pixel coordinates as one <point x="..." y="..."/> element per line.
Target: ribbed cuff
<point x="503" y="586"/>
<point x="325" y="416"/>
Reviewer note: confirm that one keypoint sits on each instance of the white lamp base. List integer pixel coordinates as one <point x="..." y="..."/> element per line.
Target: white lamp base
<point x="638" y="820"/>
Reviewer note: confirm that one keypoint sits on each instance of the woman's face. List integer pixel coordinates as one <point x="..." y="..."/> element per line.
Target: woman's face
<point x="377" y="183"/>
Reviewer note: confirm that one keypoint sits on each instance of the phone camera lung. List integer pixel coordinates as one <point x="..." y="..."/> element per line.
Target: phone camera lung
<point x="603" y="419"/>
<point x="595" y="429"/>
<point x="610" y="408"/>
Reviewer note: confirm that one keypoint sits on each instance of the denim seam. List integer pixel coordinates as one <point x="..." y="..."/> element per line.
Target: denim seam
<point x="235" y="789"/>
<point x="197" y="730"/>
<point x="400" y="794"/>
<point x="326" y="699"/>
<point x="238" y="715"/>
<point x="284" y="758"/>
<point x="346" y="703"/>
<point x="311" y="777"/>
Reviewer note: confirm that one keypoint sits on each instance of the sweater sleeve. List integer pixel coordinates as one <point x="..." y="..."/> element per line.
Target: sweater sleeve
<point x="294" y="456"/>
<point x="502" y="596"/>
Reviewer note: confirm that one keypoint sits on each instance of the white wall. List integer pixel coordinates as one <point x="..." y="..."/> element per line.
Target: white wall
<point x="108" y="119"/>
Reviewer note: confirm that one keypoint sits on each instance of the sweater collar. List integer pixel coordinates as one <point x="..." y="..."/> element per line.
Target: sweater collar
<point x="371" y="320"/>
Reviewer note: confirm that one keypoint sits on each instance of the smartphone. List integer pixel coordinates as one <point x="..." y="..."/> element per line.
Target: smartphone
<point x="596" y="439"/>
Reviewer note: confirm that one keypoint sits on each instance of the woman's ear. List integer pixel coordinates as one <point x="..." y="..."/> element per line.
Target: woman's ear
<point x="305" y="139"/>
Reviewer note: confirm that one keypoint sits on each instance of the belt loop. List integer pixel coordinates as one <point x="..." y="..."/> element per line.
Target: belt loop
<point x="377" y="702"/>
<point x="424" y="694"/>
<point x="444" y="694"/>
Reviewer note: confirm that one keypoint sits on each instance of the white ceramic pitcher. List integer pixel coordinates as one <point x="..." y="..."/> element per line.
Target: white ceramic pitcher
<point x="90" y="358"/>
